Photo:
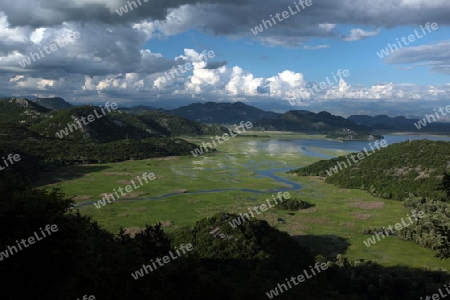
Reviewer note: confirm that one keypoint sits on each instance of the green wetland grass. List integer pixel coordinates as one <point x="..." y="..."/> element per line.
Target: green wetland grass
<point x="332" y="226"/>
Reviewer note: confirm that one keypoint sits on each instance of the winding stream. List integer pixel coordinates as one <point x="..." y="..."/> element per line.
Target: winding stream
<point x="263" y="173"/>
<point x="278" y="147"/>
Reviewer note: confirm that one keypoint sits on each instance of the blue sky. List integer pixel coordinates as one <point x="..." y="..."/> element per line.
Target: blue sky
<point x="124" y="57"/>
<point x="359" y="57"/>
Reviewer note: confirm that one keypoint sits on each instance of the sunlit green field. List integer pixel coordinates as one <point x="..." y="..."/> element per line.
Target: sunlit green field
<point x="332" y="226"/>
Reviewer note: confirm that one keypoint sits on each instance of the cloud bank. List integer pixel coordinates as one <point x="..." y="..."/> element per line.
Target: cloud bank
<point x="108" y="60"/>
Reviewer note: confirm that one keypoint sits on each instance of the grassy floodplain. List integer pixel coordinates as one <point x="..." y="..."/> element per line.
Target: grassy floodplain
<point x="332" y="226"/>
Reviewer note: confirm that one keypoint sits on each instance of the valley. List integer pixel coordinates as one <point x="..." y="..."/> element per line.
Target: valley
<point x="131" y="186"/>
<point x="224" y="150"/>
<point x="244" y="172"/>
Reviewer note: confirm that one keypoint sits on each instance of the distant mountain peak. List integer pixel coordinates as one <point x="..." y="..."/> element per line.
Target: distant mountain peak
<point x="324" y="112"/>
<point x="223" y="112"/>
<point x="56" y="103"/>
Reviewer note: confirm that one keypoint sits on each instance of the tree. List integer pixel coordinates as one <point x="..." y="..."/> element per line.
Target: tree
<point x="445" y="184"/>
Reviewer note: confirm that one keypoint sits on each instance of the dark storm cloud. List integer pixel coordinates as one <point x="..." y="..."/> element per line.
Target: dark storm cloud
<point x="233" y="16"/>
<point x="40" y="13"/>
<point x="436" y="56"/>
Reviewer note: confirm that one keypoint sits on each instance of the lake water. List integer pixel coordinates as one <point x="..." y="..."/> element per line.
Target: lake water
<point x="308" y="146"/>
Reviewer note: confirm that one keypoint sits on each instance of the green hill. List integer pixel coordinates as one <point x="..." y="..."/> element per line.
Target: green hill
<point x="61" y="137"/>
<point x="51" y="151"/>
<point x="10" y="132"/>
<point x="320" y="123"/>
<point x="117" y="125"/>
<point x="176" y="125"/>
<point x="21" y="111"/>
<point x="393" y="172"/>
<point x="104" y="127"/>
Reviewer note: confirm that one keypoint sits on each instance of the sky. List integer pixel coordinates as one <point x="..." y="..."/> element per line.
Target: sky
<point x="394" y="54"/>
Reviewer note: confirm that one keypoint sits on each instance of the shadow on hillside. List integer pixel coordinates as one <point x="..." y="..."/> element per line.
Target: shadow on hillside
<point x="66" y="173"/>
<point x="328" y="245"/>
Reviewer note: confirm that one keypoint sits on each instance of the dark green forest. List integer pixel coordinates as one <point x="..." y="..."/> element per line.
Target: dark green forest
<point x="27" y="128"/>
<point x="413" y="172"/>
<point x="294" y="204"/>
<point x="57" y="152"/>
<point x="414" y="167"/>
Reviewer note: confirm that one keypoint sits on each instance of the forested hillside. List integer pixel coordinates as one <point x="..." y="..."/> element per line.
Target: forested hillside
<point x="58" y="137"/>
<point x="179" y="126"/>
<point x="55" y="151"/>
<point x="414" y="172"/>
<point x="393" y="172"/>
<point x="117" y="125"/>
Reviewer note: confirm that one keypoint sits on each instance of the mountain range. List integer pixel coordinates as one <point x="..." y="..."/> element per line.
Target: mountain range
<point x="225" y="113"/>
<point x="399" y="124"/>
<point x="140" y="122"/>
<point x="48" y="115"/>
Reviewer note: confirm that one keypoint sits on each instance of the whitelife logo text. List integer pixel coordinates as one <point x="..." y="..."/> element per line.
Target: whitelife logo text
<point x="91" y="118"/>
<point x="284" y="15"/>
<point x="300" y="278"/>
<point x="166" y="259"/>
<point x="411" y="38"/>
<point x="31" y="240"/>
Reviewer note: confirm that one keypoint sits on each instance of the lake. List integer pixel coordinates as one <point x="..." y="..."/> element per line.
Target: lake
<point x="309" y="146"/>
